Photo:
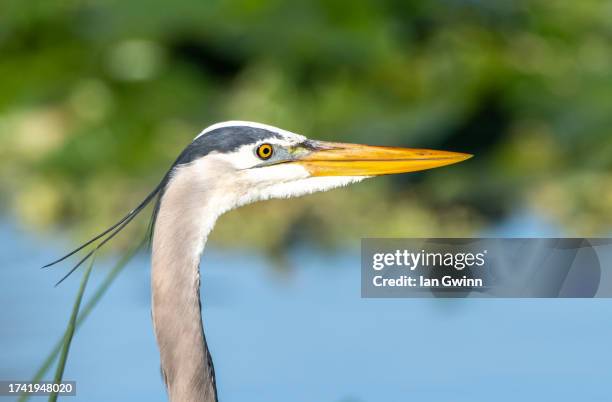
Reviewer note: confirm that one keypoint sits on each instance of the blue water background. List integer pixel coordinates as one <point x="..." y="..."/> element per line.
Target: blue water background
<point x="306" y="334"/>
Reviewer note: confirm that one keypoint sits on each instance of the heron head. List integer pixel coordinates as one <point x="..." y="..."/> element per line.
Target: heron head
<point x="235" y="163"/>
<point x="247" y="162"/>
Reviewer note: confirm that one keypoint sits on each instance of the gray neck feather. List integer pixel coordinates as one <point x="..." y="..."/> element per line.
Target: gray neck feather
<point x="183" y="222"/>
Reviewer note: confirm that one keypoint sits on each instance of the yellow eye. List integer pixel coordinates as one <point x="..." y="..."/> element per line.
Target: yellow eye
<point x="265" y="151"/>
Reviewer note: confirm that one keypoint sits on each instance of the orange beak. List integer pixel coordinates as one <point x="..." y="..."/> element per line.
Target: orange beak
<point x="340" y="159"/>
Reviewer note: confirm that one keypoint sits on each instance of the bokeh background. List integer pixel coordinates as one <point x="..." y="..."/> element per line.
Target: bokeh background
<point x="98" y="97"/>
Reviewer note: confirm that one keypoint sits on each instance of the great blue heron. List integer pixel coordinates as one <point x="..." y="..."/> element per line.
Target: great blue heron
<point x="226" y="166"/>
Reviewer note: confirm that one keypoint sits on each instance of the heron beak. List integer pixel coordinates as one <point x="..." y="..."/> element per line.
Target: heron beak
<point x="339" y="159"/>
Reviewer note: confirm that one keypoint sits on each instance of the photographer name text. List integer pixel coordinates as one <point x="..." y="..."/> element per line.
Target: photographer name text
<point x="412" y="262"/>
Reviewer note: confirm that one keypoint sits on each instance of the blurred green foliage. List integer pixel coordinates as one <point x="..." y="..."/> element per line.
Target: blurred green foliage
<point x="98" y="97"/>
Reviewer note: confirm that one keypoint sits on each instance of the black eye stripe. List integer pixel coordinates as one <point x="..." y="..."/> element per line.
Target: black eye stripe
<point x="224" y="140"/>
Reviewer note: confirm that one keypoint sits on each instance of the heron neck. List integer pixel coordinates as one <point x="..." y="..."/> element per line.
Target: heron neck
<point x="183" y="222"/>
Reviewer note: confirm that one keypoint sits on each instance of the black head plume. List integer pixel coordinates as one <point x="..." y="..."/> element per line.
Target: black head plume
<point x="223" y="139"/>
